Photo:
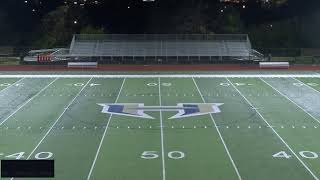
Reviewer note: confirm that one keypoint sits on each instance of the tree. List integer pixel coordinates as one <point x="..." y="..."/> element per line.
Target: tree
<point x="89" y="29"/>
<point x="59" y="25"/>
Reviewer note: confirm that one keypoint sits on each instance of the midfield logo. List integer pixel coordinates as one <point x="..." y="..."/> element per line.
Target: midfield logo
<point x="138" y="109"/>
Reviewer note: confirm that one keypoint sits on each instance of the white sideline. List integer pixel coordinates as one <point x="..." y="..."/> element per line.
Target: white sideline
<point x="162" y="144"/>
<point x="26" y="102"/>
<point x="166" y="76"/>
<point x="314" y="118"/>
<point x="222" y="140"/>
<point x="104" y="134"/>
<point x="275" y="132"/>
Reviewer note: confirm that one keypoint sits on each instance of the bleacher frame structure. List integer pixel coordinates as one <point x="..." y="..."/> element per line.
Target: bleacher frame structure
<point x="162" y="48"/>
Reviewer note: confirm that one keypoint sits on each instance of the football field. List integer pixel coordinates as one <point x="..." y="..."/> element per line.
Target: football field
<point x="166" y="126"/>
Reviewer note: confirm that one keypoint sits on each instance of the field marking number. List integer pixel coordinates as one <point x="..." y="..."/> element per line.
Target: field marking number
<point x="40" y="155"/>
<point x="154" y="155"/>
<point x="302" y="84"/>
<point x="237" y="84"/>
<point x="304" y="154"/>
<point x="156" y="84"/>
<point x="5" y="84"/>
<point x="9" y="84"/>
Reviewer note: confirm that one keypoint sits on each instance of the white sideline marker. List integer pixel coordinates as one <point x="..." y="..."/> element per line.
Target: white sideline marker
<point x="26" y="102"/>
<point x="167" y="76"/>
<point x="104" y="134"/>
<point x="222" y="140"/>
<point x="290" y="100"/>
<point x="275" y="132"/>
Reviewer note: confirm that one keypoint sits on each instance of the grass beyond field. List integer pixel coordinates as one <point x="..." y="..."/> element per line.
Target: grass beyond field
<point x="268" y="127"/>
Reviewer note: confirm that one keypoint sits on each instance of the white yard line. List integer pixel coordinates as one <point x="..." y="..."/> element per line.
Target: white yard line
<point x="65" y="109"/>
<point x="222" y="140"/>
<point x="104" y="134"/>
<point x="55" y="122"/>
<point x="306" y="85"/>
<point x="162" y="144"/>
<point x="26" y="102"/>
<point x="290" y="100"/>
<point x="12" y="84"/>
<point x="275" y="132"/>
<point x="165" y="76"/>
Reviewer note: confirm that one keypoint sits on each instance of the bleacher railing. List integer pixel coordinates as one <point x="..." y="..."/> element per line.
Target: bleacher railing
<point x="173" y="37"/>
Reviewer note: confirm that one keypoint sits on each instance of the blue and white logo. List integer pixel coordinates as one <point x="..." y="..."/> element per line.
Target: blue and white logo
<point x="139" y="110"/>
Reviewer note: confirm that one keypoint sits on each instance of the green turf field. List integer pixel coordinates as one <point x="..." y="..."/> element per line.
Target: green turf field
<point x="268" y="127"/>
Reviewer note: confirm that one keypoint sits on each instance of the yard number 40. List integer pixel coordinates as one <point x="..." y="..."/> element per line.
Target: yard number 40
<point x="154" y="155"/>
<point x="304" y="154"/>
<point x="39" y="156"/>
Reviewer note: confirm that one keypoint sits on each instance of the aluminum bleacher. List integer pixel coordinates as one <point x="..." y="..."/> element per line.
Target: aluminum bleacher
<point x="235" y="46"/>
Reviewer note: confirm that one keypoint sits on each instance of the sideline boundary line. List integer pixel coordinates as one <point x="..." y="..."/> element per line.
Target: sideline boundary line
<point x="221" y="138"/>
<point x="275" y="132"/>
<point x="162" y="139"/>
<point x="314" y="118"/>
<point x="166" y="76"/>
<point x="104" y="134"/>
<point x="26" y="102"/>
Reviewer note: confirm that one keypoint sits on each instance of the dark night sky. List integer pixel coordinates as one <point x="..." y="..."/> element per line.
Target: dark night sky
<point x="115" y="14"/>
<point x="22" y="18"/>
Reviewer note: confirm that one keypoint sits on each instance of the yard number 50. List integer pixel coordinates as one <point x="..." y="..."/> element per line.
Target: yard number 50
<point x="154" y="155"/>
